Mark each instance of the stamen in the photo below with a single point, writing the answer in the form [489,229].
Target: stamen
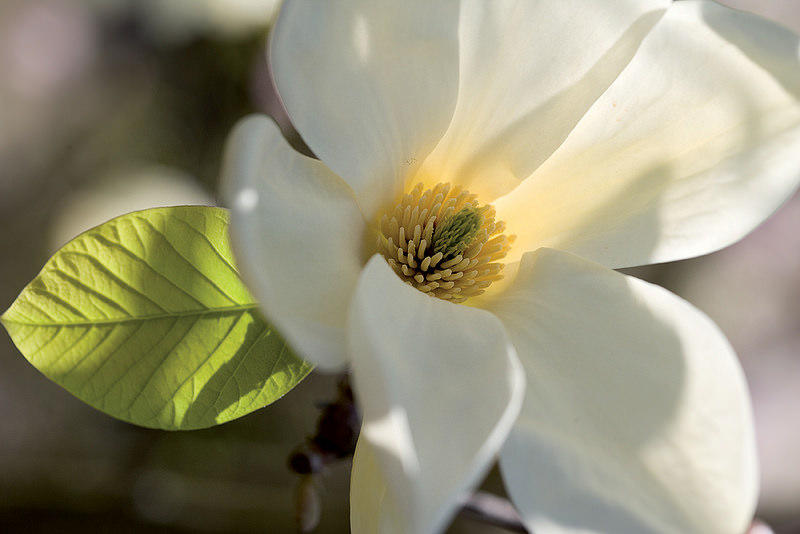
[456,232]
[442,242]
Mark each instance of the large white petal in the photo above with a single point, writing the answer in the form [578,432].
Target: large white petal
[696,143]
[528,72]
[636,416]
[296,233]
[369,84]
[440,387]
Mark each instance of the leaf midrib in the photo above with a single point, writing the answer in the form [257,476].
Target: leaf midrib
[121,320]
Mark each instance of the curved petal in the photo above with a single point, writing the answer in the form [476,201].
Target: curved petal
[296,233]
[636,416]
[370,85]
[440,387]
[695,144]
[372,509]
[528,72]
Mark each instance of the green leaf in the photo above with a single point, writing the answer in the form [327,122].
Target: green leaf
[145,318]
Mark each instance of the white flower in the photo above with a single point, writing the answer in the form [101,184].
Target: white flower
[605,134]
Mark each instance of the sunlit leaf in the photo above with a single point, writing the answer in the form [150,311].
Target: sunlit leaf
[146,319]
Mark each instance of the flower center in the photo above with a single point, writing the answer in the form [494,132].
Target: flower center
[442,242]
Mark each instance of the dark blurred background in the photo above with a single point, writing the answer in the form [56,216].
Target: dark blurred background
[107,106]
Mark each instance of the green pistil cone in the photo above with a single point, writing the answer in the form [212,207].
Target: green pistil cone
[455,233]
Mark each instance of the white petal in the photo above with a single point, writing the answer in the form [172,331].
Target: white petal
[370,85]
[528,72]
[296,233]
[372,509]
[440,387]
[636,416]
[695,144]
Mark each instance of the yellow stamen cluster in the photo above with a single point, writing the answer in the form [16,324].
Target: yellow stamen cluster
[443,243]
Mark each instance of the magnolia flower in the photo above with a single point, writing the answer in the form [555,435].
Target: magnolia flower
[483,167]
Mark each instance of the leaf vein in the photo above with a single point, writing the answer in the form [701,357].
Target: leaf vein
[58,299]
[219,254]
[92,291]
[124,250]
[109,357]
[46,343]
[113,276]
[210,355]
[211,281]
[164,355]
[264,332]
[93,350]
